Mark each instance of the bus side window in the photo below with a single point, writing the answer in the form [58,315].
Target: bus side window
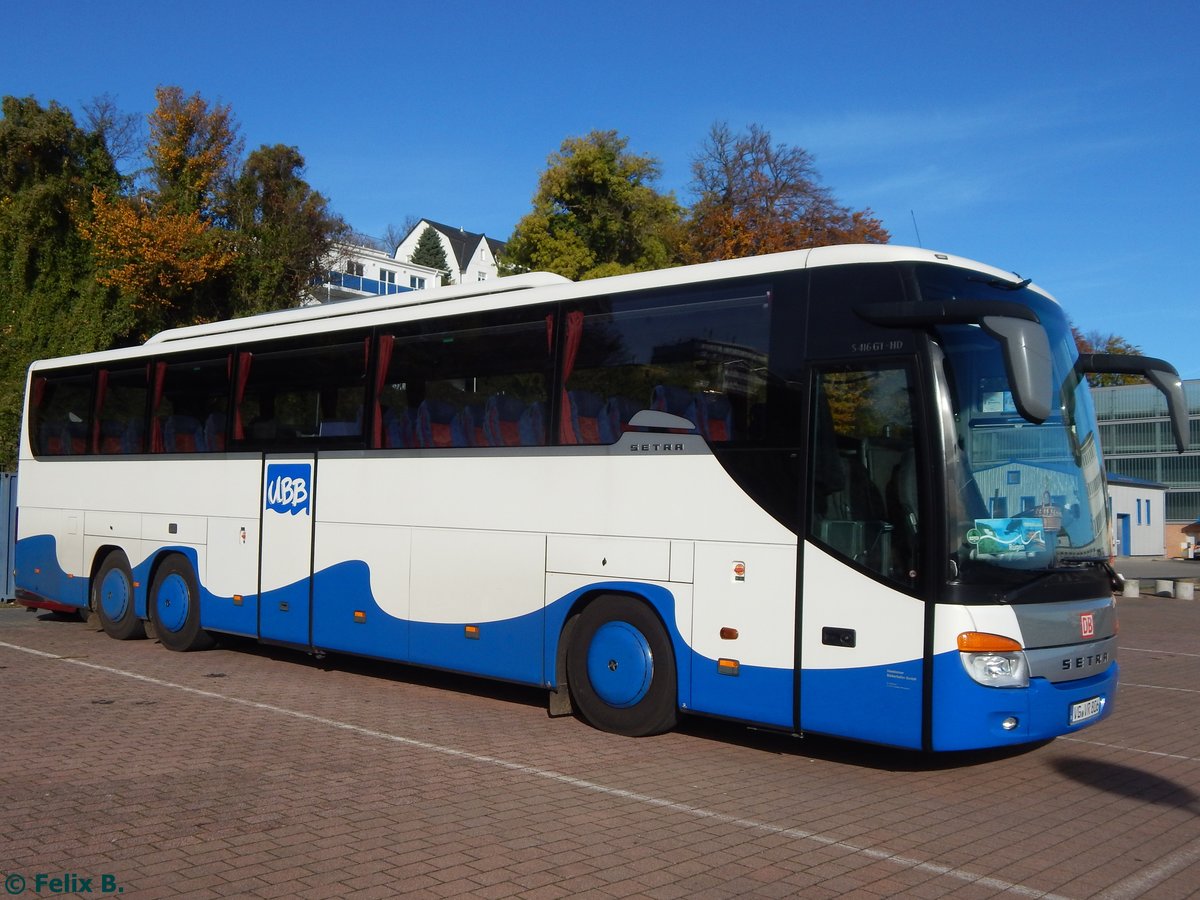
[60,413]
[121,396]
[701,357]
[300,392]
[483,383]
[863,474]
[191,397]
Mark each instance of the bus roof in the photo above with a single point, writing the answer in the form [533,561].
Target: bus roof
[529,288]
[355,307]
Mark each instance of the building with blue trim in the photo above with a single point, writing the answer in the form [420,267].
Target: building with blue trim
[1141,459]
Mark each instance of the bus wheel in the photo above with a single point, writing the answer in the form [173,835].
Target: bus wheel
[112,598]
[175,607]
[621,669]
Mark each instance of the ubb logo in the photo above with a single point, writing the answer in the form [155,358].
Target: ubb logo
[288,488]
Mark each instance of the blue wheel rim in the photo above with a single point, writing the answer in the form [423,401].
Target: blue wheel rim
[115,592]
[620,664]
[171,602]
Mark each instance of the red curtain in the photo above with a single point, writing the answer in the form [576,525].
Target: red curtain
[158,372]
[101,390]
[386,343]
[243,375]
[574,323]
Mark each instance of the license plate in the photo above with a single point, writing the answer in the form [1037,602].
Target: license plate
[1085,709]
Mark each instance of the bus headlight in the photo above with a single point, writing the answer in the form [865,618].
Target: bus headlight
[993,660]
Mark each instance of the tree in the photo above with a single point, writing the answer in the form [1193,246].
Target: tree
[284,231]
[430,252]
[51,303]
[755,196]
[597,213]
[394,235]
[162,246]
[193,152]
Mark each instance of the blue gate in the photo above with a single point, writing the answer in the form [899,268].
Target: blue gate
[8,534]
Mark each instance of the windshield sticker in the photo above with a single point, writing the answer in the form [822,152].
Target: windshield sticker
[1005,537]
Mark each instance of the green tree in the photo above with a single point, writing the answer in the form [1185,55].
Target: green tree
[756,196]
[597,213]
[52,304]
[284,231]
[430,252]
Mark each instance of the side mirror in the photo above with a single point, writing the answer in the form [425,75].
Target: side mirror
[1159,373]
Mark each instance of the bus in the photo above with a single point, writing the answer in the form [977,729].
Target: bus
[852,491]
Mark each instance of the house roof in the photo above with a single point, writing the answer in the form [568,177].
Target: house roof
[1129,481]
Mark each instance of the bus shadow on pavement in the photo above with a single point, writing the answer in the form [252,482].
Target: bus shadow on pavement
[846,752]
[1126,781]
[387,670]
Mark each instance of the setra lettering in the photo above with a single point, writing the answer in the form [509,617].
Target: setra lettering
[1085,662]
[655,448]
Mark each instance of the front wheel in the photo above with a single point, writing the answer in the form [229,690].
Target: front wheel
[175,607]
[621,669]
[112,598]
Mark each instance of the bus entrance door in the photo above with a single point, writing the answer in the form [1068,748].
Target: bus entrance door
[285,569]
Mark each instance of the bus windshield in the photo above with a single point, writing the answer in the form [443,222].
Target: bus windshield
[1023,496]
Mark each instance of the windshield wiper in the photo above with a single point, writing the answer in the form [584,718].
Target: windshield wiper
[1003,285]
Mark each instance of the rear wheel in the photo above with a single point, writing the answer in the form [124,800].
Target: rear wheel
[175,607]
[112,598]
[621,669]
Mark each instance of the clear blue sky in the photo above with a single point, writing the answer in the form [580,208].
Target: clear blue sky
[1060,140]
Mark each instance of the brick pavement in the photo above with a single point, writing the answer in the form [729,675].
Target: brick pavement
[253,771]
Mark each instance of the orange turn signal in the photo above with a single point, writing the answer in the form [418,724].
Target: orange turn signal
[982,642]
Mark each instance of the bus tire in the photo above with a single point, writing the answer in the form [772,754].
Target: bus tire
[621,668]
[175,607]
[112,598]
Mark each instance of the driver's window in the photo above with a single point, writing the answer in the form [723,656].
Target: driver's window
[863,479]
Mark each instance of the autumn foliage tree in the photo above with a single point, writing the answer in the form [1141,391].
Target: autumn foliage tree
[162,245]
[756,196]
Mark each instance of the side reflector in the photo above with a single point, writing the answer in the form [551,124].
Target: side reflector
[729,634]
[728,666]
[237,599]
[360,616]
[982,642]
[471,632]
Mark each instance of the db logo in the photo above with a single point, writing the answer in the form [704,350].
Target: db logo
[1087,624]
[288,488]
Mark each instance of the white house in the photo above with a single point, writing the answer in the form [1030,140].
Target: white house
[1138,511]
[358,270]
[472,257]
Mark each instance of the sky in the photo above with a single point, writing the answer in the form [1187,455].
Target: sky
[1058,140]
